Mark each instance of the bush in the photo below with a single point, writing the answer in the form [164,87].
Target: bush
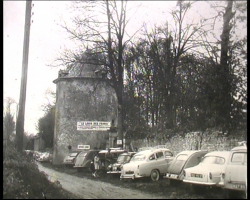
[23,180]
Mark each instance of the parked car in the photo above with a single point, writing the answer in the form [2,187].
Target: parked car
[144,148]
[121,160]
[149,163]
[83,160]
[44,157]
[208,171]
[109,156]
[37,155]
[234,180]
[181,161]
[70,158]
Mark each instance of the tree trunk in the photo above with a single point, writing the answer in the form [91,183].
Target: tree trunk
[225,36]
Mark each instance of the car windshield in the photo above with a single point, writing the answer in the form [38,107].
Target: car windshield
[83,154]
[73,154]
[138,157]
[182,157]
[213,160]
[123,158]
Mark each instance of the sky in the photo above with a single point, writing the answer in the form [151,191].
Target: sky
[47,39]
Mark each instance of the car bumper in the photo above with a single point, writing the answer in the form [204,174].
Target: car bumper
[235,186]
[199,183]
[68,163]
[130,176]
[171,176]
[113,172]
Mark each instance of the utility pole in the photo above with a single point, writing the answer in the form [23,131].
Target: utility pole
[22,98]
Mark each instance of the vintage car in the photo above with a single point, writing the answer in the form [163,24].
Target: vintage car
[208,171]
[44,157]
[234,180]
[144,148]
[83,160]
[149,163]
[181,161]
[109,156]
[70,159]
[121,160]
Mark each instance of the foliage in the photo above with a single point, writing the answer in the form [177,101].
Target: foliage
[19,173]
[177,76]
[46,126]
[8,119]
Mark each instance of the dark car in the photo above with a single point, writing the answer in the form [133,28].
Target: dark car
[121,160]
[70,159]
[110,156]
[183,160]
[83,160]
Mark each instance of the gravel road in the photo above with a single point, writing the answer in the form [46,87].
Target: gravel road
[90,189]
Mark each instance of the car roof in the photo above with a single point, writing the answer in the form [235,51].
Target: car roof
[239,148]
[128,153]
[224,154]
[112,151]
[149,151]
[191,152]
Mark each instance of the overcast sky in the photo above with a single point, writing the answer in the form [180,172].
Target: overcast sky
[47,39]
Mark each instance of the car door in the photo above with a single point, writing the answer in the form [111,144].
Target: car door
[236,170]
[161,163]
[163,160]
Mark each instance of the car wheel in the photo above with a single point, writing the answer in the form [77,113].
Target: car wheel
[155,175]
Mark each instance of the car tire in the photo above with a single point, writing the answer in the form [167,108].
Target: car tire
[155,175]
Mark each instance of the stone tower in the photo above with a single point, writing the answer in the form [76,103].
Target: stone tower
[82,94]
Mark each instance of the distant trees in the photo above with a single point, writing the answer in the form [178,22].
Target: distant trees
[8,119]
[45,124]
[174,77]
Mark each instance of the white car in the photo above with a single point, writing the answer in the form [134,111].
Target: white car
[151,163]
[44,157]
[234,180]
[208,171]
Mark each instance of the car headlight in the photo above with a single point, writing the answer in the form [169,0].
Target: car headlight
[109,167]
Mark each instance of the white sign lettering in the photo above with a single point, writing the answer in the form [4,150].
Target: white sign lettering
[93,125]
[83,146]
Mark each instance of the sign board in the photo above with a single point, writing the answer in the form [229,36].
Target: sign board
[119,141]
[80,146]
[93,126]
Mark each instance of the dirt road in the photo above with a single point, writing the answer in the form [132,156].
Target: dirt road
[91,189]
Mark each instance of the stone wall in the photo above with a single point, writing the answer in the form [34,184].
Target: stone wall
[81,99]
[210,140]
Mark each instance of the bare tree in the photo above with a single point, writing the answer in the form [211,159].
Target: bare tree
[100,28]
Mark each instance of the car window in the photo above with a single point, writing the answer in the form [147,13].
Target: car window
[83,154]
[152,157]
[168,154]
[73,154]
[238,157]
[182,157]
[138,157]
[213,160]
[159,155]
